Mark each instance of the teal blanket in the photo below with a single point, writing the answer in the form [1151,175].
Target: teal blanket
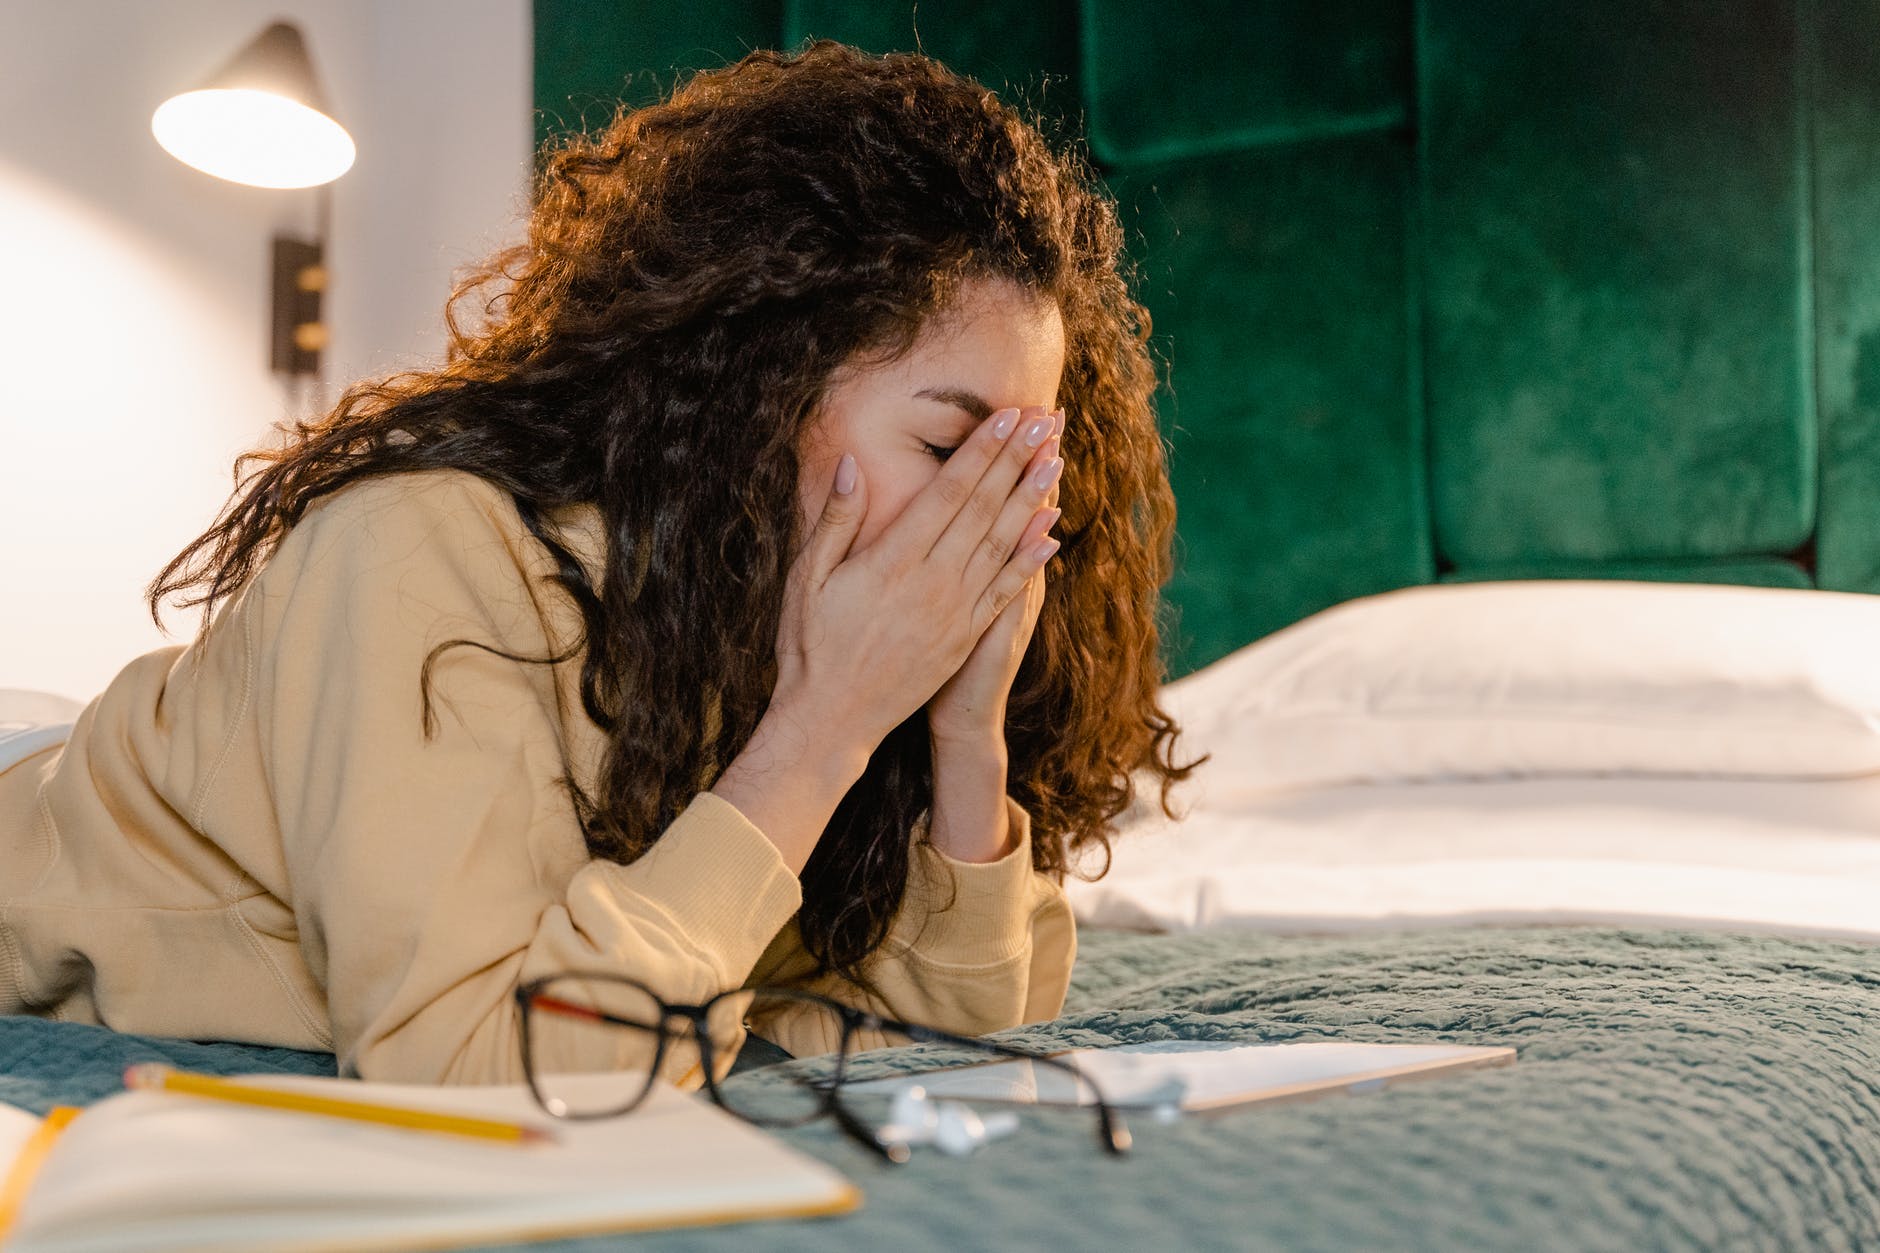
[1674,1090]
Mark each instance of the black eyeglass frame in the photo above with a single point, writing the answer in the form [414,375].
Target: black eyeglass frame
[1112,1133]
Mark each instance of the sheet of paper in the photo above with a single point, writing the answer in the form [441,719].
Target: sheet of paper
[1210,1072]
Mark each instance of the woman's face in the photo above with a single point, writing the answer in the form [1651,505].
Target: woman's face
[998,347]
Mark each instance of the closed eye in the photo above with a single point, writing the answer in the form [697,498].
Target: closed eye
[937,452]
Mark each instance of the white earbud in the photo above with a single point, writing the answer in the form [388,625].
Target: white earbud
[913,1114]
[953,1128]
[961,1131]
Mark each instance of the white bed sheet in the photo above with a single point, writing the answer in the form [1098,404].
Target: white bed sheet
[1797,857]
[33,720]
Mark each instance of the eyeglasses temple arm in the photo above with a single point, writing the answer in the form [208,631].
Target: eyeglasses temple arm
[567,1009]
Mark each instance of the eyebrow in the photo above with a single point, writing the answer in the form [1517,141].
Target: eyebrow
[972,402]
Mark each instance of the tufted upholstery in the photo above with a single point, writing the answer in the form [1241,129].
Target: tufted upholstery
[1448,289]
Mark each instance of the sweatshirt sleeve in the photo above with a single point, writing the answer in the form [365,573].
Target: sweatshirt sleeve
[430,876]
[976,948]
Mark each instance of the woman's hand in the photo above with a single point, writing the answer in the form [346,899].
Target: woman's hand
[867,638]
[969,709]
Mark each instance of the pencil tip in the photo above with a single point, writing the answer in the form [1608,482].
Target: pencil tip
[535,1135]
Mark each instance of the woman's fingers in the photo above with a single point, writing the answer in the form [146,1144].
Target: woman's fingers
[996,450]
[987,524]
[839,523]
[1040,525]
[1018,522]
[1021,574]
[1011,581]
[886,626]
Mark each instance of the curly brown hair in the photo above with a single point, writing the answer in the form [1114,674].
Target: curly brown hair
[694,274]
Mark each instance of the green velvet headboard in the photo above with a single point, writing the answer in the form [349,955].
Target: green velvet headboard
[1446,289]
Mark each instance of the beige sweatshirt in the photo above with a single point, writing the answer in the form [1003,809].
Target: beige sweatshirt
[249,838]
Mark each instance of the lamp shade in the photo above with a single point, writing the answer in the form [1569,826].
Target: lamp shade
[260,120]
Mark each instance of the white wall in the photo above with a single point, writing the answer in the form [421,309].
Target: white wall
[134,307]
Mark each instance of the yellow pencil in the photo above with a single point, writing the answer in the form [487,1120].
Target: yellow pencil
[26,1166]
[154,1076]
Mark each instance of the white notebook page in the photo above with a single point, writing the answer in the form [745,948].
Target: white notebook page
[157,1170]
[1211,1072]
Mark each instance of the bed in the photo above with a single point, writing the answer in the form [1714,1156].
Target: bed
[1447,291]
[1675,1090]
[1483,849]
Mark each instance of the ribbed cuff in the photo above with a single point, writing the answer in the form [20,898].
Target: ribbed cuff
[722,880]
[989,919]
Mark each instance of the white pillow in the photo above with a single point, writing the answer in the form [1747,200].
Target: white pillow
[1521,679]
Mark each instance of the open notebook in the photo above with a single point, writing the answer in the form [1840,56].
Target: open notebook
[1199,1076]
[158,1171]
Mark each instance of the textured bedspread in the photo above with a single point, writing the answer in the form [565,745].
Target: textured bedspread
[1673,1090]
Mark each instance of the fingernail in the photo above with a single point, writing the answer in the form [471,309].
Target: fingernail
[845,475]
[1047,474]
[1041,524]
[1059,415]
[1038,431]
[1046,550]
[1003,421]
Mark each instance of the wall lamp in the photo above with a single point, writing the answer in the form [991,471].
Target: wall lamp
[262,120]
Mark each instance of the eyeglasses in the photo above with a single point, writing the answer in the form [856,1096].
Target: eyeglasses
[574,1025]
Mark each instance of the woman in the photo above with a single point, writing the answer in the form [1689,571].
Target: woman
[697,620]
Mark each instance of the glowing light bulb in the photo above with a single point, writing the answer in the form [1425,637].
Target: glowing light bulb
[253,137]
